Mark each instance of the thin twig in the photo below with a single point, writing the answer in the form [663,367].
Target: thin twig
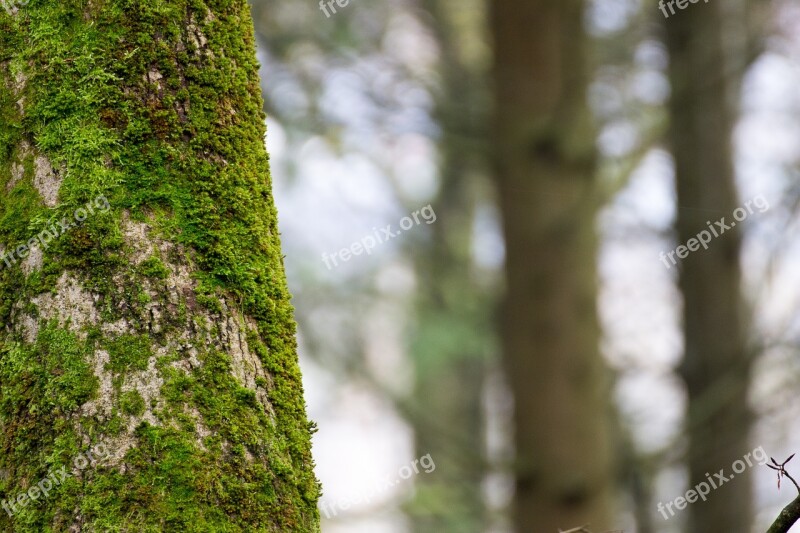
[785,473]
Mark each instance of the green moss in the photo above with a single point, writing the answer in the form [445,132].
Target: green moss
[128,352]
[153,267]
[132,403]
[143,298]
[181,150]
[55,367]
[50,379]
[209,301]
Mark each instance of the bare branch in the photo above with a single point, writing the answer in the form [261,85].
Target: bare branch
[791,513]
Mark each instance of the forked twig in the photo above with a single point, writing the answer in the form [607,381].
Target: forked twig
[781,468]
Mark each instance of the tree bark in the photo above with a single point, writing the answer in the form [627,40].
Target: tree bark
[147,347]
[546,177]
[787,518]
[716,366]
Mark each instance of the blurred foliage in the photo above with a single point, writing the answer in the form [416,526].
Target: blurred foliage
[376,73]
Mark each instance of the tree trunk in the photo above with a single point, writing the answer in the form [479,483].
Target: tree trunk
[716,367]
[453,336]
[148,368]
[546,176]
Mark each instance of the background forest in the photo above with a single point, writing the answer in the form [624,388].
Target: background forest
[638,129]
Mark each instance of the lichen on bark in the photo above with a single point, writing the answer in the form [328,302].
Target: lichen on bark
[161,326]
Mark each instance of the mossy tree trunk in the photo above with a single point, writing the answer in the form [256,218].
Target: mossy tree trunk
[153,322]
[548,197]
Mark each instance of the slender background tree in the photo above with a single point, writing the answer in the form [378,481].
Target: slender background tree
[546,176]
[705,75]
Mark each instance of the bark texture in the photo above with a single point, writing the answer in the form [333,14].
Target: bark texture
[787,518]
[546,177]
[156,325]
[716,366]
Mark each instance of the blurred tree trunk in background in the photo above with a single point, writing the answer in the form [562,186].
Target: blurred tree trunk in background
[451,346]
[716,366]
[157,326]
[546,162]
[452,338]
